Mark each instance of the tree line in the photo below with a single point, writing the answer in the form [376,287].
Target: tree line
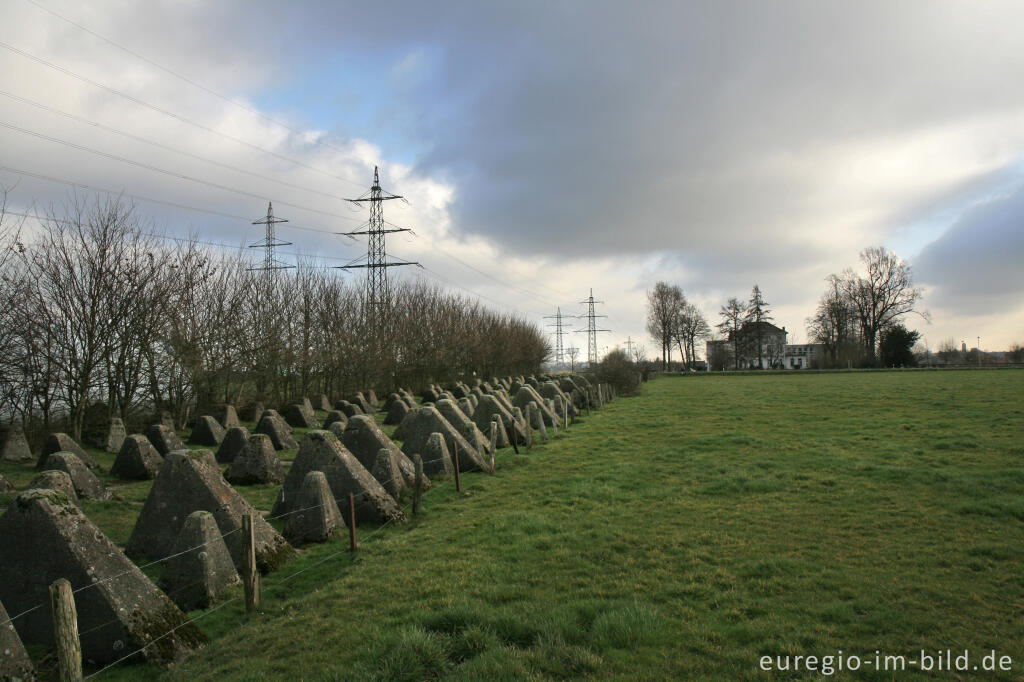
[100,317]
[858,318]
[857,322]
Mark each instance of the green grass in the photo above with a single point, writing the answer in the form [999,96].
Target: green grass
[682,534]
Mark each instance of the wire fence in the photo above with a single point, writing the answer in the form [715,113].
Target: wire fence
[360,501]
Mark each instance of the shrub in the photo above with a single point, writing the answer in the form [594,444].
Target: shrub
[617,369]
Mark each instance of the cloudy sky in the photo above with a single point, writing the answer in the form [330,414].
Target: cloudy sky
[547,148]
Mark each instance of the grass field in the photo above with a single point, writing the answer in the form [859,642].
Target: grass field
[682,534]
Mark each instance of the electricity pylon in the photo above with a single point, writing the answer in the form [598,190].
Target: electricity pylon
[592,329]
[269,242]
[559,353]
[378,293]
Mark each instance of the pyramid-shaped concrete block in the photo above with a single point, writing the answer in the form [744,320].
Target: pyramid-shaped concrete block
[364,404]
[13,444]
[229,417]
[5,485]
[235,440]
[489,408]
[550,391]
[164,439]
[207,431]
[428,420]
[251,412]
[201,568]
[55,480]
[335,416]
[87,486]
[467,407]
[387,472]
[62,442]
[115,435]
[258,463]
[299,418]
[280,433]
[396,413]
[137,459]
[364,439]
[348,409]
[323,403]
[191,481]
[316,516]
[322,451]
[528,394]
[307,407]
[437,461]
[463,424]
[45,537]
[400,431]
[277,416]
[15,664]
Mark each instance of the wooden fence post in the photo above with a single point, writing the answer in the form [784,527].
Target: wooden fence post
[539,414]
[458,478]
[417,492]
[353,546]
[65,631]
[494,443]
[512,435]
[250,574]
[529,426]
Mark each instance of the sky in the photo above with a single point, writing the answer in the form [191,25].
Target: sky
[551,148]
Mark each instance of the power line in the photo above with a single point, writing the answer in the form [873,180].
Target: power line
[191,82]
[157,169]
[441,278]
[138,197]
[171,114]
[137,138]
[189,240]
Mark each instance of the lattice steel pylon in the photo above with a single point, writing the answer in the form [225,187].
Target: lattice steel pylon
[378,292]
[270,264]
[592,329]
[559,352]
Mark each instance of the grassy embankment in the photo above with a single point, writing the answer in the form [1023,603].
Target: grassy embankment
[681,534]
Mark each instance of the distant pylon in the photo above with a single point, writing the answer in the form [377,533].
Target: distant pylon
[559,352]
[592,329]
[378,293]
[269,242]
[629,347]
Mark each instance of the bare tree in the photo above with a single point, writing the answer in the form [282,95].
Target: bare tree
[834,323]
[573,352]
[690,326]
[663,305]
[880,297]
[732,314]
[80,267]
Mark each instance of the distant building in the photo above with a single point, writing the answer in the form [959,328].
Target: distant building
[804,355]
[775,352]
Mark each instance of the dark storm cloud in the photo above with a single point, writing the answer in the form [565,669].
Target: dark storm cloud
[975,267]
[719,143]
